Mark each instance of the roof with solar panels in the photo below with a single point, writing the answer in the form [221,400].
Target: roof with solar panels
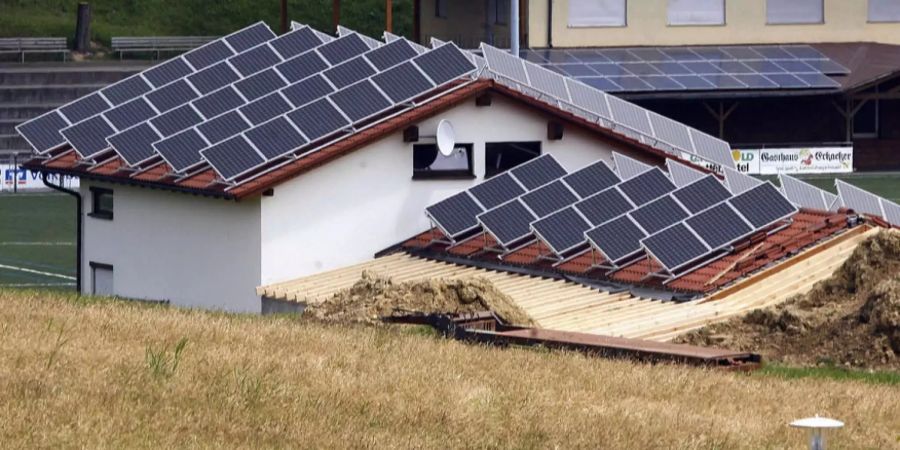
[252,109]
[630,224]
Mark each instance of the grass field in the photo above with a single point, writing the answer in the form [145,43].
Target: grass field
[37,240]
[99,373]
[189,17]
[886,185]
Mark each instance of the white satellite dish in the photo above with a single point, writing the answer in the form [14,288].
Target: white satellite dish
[446,138]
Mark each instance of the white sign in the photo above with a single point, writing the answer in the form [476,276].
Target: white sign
[772,161]
[19,179]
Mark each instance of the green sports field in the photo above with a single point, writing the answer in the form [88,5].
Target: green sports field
[37,231]
[37,240]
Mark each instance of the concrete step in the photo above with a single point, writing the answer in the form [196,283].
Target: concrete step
[65,75]
[24,111]
[55,93]
[12,142]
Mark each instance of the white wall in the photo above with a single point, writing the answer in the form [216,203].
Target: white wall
[193,251]
[347,210]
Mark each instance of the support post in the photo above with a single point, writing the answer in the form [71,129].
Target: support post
[417,23]
[284,17]
[335,13]
[513,26]
[389,16]
[83,28]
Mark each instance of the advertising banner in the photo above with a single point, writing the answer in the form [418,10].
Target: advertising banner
[772,161]
[18,179]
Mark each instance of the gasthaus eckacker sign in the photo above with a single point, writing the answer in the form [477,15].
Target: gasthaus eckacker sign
[772,161]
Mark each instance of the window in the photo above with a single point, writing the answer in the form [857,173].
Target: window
[102,279]
[597,13]
[501,11]
[430,164]
[865,120]
[884,10]
[795,11]
[101,203]
[502,156]
[696,12]
[440,8]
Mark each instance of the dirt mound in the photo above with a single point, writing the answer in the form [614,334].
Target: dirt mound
[374,296]
[852,318]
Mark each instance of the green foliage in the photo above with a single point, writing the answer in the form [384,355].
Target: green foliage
[829,372]
[190,17]
[161,363]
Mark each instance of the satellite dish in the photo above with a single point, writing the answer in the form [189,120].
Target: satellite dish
[446,138]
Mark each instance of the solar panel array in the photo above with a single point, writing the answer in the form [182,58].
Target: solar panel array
[738,182]
[247,99]
[649,69]
[806,195]
[620,218]
[868,203]
[610,112]
[628,167]
[682,174]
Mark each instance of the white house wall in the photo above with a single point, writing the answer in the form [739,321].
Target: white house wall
[347,210]
[193,251]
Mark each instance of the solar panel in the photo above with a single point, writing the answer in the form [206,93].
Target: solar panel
[402,82]
[135,144]
[658,214]
[891,212]
[604,206]
[275,138]
[263,83]
[671,131]
[318,119]
[587,98]
[674,247]
[349,72]
[208,54]
[84,107]
[738,182]
[171,96]
[176,120]
[265,108]
[631,83]
[444,63]
[858,199]
[682,174]
[712,149]
[213,77]
[630,115]
[126,90]
[89,137]
[251,36]
[167,72]
[218,102]
[591,179]
[456,214]
[629,167]
[233,157]
[661,83]
[702,194]
[806,195]
[43,132]
[497,190]
[391,54]
[546,81]
[617,239]
[562,231]
[762,205]
[817,80]
[549,198]
[295,42]
[255,60]
[302,66]
[647,186]
[756,81]
[182,150]
[787,81]
[223,127]
[508,222]
[343,48]
[538,171]
[131,113]
[693,82]
[360,100]
[719,226]
[307,90]
[671,68]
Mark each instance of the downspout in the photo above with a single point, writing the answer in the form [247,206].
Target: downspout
[549,23]
[78,221]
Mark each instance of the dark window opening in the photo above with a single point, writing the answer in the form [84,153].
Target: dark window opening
[865,121]
[101,203]
[440,9]
[501,12]
[429,163]
[502,156]
[102,282]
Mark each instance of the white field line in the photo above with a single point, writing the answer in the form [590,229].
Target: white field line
[38,272]
[24,285]
[42,244]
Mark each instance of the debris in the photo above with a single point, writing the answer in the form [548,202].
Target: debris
[375,296]
[850,319]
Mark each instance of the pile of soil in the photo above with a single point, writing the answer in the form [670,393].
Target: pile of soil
[850,319]
[375,296]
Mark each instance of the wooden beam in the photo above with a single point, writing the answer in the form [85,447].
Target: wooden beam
[335,13]
[284,17]
[388,16]
[417,23]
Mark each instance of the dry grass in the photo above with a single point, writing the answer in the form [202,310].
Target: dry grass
[102,374]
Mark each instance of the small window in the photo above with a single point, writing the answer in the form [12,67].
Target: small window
[884,11]
[101,203]
[102,279]
[430,164]
[502,156]
[501,11]
[440,8]
[865,120]
[597,13]
[786,12]
[696,12]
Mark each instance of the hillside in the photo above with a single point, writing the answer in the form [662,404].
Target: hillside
[91,373]
[190,17]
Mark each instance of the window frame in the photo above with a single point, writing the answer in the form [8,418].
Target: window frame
[98,211]
[101,266]
[624,23]
[820,22]
[723,23]
[440,9]
[467,174]
[869,15]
